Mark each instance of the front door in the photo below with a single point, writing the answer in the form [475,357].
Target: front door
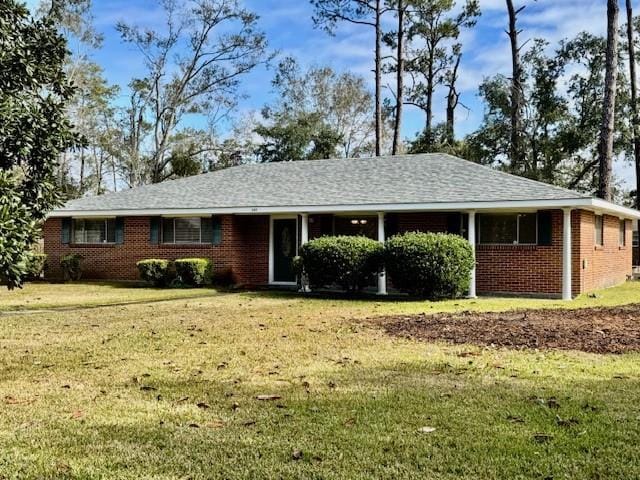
[284,249]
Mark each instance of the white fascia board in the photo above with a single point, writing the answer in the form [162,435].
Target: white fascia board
[585,203]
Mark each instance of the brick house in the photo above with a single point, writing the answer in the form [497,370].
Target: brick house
[528,237]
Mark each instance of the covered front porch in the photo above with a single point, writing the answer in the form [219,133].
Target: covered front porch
[523,251]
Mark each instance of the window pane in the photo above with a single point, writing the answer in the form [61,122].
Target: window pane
[95,231]
[636,237]
[528,228]
[78,231]
[498,228]
[599,233]
[167,230]
[187,230]
[111,230]
[623,233]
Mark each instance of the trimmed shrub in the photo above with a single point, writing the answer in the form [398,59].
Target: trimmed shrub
[432,265]
[36,265]
[194,271]
[156,271]
[350,262]
[71,266]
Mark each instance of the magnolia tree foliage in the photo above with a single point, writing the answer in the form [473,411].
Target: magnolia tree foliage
[34,131]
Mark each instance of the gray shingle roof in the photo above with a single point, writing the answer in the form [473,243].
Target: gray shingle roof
[403,179]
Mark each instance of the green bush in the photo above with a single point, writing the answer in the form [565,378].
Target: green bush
[194,272]
[432,265]
[72,266]
[36,265]
[350,262]
[156,271]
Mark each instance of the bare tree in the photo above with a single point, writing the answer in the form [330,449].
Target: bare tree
[635,119]
[223,44]
[359,12]
[453,97]
[517,95]
[605,148]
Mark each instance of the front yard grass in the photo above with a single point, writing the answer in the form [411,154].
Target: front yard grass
[168,390]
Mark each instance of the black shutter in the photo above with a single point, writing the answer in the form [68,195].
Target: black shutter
[154,230]
[217,230]
[66,231]
[545,228]
[119,230]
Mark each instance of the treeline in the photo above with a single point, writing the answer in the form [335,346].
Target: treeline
[561,115]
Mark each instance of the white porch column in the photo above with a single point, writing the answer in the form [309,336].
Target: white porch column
[472,241]
[382,278]
[566,255]
[304,230]
[304,238]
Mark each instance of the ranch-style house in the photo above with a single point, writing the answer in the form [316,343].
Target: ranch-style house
[528,237]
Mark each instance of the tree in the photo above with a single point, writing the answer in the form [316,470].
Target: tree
[635,117]
[563,92]
[396,40]
[431,28]
[359,12]
[605,149]
[517,97]
[340,104]
[222,44]
[304,137]
[74,20]
[34,92]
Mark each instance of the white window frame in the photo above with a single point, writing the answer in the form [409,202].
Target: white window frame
[199,242]
[84,241]
[622,233]
[518,215]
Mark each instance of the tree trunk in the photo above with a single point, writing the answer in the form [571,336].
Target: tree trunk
[634,98]
[452,102]
[517,103]
[399,79]
[605,148]
[378,80]
[81,183]
[428,128]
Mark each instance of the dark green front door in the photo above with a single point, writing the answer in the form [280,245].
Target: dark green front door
[284,249]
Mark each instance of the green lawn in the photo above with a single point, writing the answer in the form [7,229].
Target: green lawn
[113,391]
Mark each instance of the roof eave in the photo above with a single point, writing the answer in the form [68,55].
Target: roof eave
[581,202]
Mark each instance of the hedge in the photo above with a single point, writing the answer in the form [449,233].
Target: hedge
[71,266]
[348,261]
[156,271]
[36,265]
[432,265]
[194,271]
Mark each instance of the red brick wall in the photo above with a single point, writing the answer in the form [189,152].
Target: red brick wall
[538,269]
[243,250]
[606,265]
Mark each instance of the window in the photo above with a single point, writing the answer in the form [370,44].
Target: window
[94,231]
[599,230]
[636,238]
[623,233]
[187,230]
[508,228]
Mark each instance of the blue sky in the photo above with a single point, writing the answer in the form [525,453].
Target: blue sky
[290,31]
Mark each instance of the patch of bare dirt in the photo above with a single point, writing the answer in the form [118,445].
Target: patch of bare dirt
[595,330]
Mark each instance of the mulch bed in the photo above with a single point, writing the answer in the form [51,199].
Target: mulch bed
[595,330]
